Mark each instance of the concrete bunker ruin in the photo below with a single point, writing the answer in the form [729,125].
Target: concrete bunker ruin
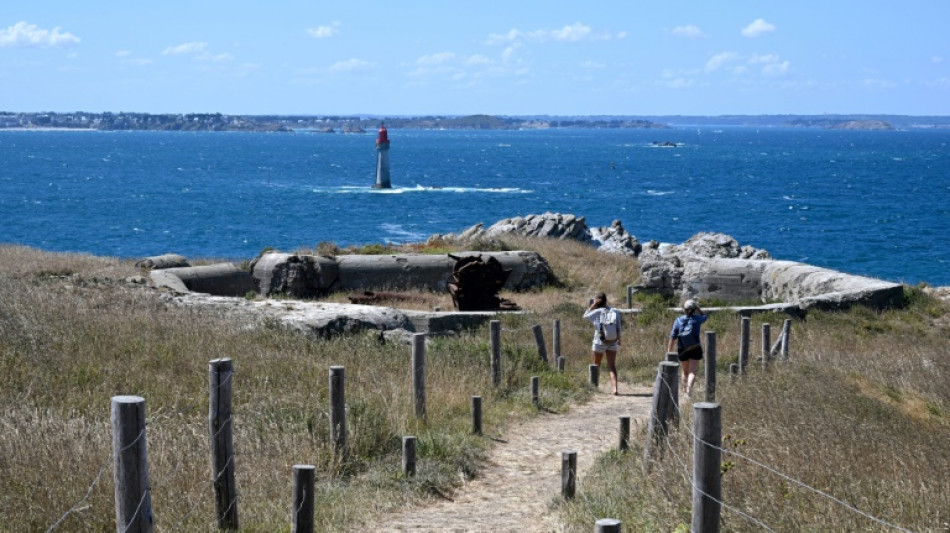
[311,276]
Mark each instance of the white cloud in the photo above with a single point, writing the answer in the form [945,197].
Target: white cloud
[197,49]
[779,68]
[758,27]
[435,59]
[875,83]
[324,32]
[569,33]
[351,64]
[513,35]
[477,59]
[508,55]
[23,34]
[123,53]
[772,65]
[186,48]
[573,32]
[720,60]
[592,64]
[689,31]
[936,60]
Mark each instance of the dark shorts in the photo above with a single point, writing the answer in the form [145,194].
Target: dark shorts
[693,352]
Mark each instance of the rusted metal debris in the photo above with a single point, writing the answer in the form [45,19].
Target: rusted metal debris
[475,283]
[374,298]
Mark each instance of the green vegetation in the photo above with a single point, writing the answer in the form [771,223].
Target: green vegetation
[860,411]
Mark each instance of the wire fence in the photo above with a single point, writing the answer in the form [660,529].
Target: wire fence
[674,452]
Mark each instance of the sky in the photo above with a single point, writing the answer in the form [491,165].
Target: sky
[521,57]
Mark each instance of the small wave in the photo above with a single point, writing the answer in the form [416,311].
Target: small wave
[419,189]
[399,231]
[652,192]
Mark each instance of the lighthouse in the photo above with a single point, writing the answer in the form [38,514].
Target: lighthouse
[382,159]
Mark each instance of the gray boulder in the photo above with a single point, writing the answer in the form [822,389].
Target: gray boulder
[159,262]
[300,276]
[614,239]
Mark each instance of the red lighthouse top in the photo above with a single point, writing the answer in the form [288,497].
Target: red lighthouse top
[383,137]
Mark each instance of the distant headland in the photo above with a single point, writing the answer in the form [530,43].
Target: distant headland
[108,121]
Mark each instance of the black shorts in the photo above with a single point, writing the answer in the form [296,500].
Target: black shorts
[693,352]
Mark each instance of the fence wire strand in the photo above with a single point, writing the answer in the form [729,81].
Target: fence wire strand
[786,477]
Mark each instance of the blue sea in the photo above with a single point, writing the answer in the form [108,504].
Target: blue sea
[873,203]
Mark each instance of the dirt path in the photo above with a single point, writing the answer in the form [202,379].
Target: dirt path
[523,474]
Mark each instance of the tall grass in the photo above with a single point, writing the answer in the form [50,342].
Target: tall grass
[860,412]
[75,331]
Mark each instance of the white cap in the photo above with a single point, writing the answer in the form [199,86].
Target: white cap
[690,304]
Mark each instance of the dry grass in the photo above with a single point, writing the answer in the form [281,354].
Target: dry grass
[74,333]
[861,411]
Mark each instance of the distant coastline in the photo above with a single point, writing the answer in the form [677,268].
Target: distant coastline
[82,121]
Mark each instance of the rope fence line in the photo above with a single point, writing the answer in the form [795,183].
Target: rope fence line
[667,441]
[95,481]
[689,480]
[780,474]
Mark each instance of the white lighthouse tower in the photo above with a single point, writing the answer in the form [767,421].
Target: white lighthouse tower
[382,159]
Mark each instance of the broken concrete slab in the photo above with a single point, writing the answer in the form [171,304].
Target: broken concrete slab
[223,279]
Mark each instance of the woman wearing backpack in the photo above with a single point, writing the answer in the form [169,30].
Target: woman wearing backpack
[606,334]
[685,335]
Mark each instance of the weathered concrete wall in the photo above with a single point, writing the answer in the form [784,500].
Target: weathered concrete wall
[724,279]
[308,276]
[304,276]
[224,279]
[785,281]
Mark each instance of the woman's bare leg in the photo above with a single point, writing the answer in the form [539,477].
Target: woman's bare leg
[612,366]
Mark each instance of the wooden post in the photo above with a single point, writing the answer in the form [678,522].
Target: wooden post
[593,375]
[494,328]
[657,428]
[629,296]
[674,357]
[560,364]
[133,498]
[568,474]
[338,410]
[744,343]
[786,332]
[766,344]
[707,458]
[220,428]
[539,341]
[710,366]
[624,444]
[556,336]
[607,525]
[535,392]
[303,507]
[419,374]
[409,456]
[477,415]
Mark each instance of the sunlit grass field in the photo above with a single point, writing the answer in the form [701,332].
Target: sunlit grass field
[861,410]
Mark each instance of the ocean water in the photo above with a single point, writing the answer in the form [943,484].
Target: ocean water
[873,203]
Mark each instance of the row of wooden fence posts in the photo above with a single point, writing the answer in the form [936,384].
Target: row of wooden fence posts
[707,420]
[769,350]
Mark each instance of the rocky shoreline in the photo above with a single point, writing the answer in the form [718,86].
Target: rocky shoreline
[708,266]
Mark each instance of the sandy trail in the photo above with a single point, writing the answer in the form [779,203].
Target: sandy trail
[523,473]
